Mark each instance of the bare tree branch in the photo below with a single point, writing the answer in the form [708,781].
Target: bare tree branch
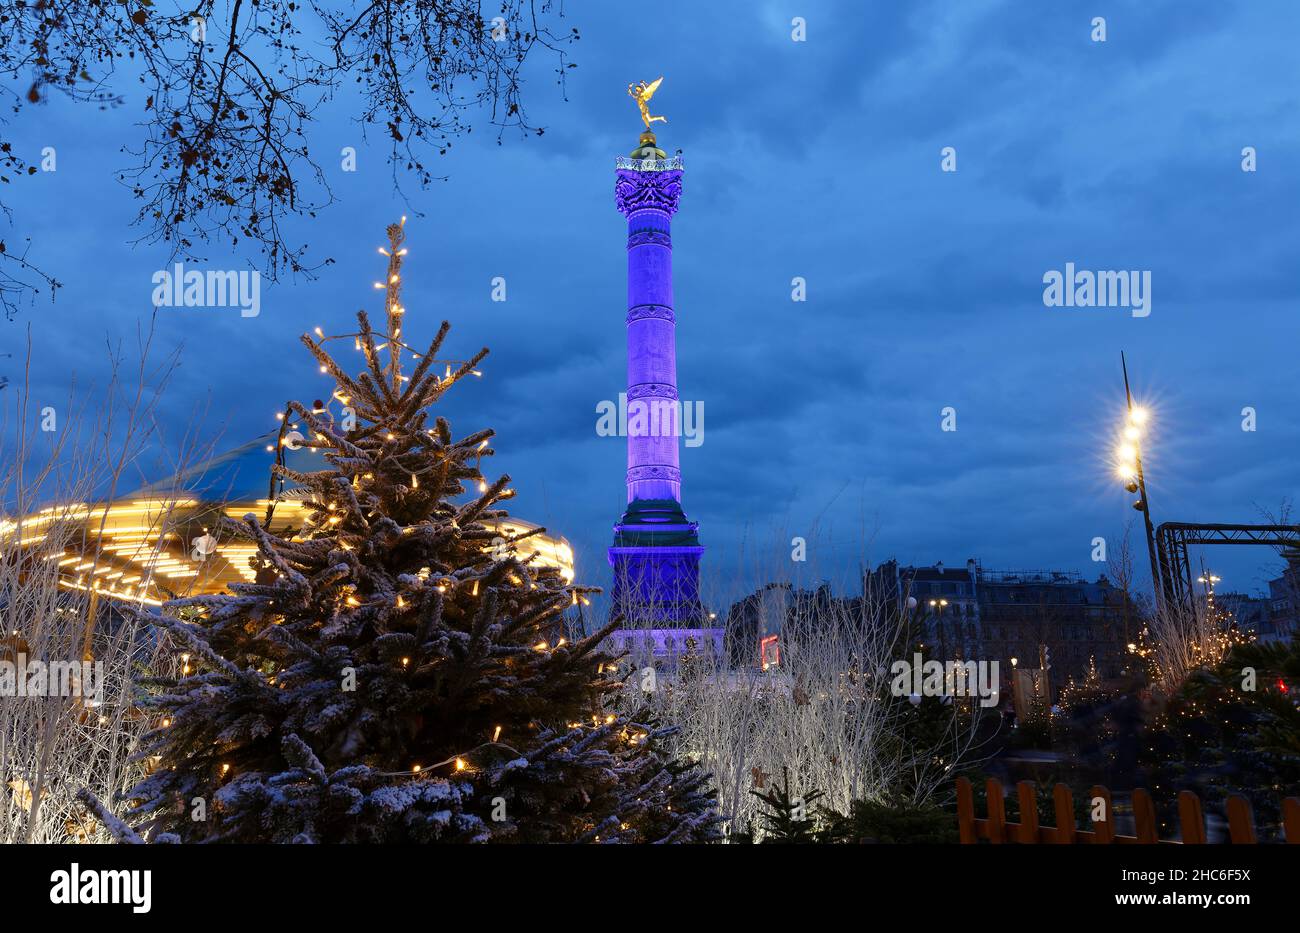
[229,89]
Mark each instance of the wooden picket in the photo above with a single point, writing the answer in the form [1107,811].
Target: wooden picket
[995,829]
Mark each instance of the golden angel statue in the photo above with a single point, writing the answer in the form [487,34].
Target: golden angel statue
[641,93]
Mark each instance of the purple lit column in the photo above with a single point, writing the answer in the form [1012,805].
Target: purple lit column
[656,550]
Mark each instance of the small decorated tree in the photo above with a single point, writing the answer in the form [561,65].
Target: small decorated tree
[1231,728]
[398,672]
[787,817]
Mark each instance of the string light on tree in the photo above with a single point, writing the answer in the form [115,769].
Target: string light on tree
[390,630]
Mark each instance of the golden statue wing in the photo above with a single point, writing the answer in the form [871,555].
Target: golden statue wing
[650,88]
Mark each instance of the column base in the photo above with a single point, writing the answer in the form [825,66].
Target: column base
[656,560]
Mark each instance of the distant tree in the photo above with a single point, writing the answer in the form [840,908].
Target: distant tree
[1119,565]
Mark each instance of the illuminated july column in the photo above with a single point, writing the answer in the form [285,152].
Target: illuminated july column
[656,552]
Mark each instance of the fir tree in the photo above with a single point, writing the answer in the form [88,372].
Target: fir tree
[393,675]
[786,815]
[1232,728]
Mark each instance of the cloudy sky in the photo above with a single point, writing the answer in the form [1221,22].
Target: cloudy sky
[819,159]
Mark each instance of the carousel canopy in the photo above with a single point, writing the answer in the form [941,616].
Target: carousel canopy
[162,540]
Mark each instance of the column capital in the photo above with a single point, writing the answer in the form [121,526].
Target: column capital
[636,190]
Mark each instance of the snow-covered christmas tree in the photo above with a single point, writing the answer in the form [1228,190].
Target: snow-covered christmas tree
[392,675]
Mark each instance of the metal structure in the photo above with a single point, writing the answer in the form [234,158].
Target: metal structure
[1175,537]
[1171,571]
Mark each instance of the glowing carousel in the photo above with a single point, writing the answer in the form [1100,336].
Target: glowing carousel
[166,539]
[163,540]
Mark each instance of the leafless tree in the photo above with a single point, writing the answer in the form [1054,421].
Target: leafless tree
[822,713]
[229,89]
[53,484]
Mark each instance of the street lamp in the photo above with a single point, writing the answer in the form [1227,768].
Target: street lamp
[1128,457]
[937,607]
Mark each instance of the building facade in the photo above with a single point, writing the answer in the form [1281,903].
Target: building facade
[760,626]
[1284,603]
[970,613]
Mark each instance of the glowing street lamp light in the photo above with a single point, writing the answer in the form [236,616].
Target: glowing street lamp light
[1128,463]
[1129,460]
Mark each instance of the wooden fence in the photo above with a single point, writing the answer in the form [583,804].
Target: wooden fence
[996,829]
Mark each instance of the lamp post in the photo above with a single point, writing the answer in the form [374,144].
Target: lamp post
[937,606]
[1130,470]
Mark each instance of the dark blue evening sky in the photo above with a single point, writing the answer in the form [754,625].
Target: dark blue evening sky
[818,159]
